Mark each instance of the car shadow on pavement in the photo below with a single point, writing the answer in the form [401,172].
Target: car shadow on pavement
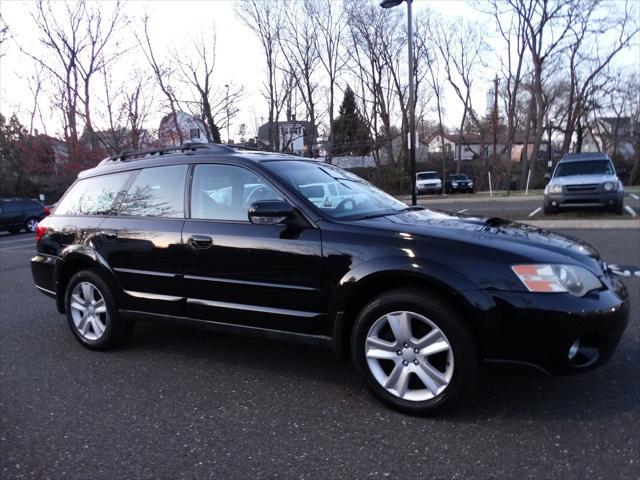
[501,393]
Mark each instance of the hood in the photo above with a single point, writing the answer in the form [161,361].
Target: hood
[429,181]
[583,179]
[494,233]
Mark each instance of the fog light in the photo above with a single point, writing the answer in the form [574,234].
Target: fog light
[574,349]
[554,203]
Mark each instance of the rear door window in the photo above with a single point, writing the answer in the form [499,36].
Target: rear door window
[93,196]
[156,192]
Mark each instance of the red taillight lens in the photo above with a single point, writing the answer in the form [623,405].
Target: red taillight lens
[47,211]
[40,230]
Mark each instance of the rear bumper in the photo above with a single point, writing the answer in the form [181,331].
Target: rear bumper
[595,199]
[539,329]
[43,269]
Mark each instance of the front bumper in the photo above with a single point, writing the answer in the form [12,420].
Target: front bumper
[428,188]
[593,199]
[539,329]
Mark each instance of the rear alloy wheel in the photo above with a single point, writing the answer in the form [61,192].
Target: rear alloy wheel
[31,224]
[415,353]
[92,314]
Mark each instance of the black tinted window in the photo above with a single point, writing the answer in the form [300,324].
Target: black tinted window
[427,176]
[92,196]
[225,192]
[156,192]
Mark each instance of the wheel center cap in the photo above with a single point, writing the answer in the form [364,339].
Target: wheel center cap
[408,355]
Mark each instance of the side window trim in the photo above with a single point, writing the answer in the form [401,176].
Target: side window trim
[115,207]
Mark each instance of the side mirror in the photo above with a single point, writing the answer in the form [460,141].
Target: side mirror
[270,212]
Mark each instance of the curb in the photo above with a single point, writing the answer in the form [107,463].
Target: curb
[584,224]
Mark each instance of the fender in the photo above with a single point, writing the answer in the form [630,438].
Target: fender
[473,300]
[83,255]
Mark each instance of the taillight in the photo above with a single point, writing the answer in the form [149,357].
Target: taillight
[41,228]
[47,211]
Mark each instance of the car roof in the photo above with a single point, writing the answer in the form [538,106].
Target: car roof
[584,157]
[427,171]
[190,153]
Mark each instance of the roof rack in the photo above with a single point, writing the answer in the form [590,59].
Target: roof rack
[129,155]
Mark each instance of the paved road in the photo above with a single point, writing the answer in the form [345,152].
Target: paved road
[178,403]
[514,208]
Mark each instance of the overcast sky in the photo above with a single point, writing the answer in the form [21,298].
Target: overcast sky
[239,59]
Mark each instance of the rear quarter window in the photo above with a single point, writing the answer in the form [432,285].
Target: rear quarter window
[93,196]
[156,192]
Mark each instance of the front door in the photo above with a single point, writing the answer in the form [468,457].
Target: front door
[265,276]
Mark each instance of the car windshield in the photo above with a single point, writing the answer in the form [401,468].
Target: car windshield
[458,177]
[336,192]
[598,167]
[427,176]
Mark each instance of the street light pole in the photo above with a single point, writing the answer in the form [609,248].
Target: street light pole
[412,120]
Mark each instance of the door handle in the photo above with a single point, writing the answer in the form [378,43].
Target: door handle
[109,234]
[200,241]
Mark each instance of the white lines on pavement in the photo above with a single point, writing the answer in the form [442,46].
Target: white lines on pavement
[535,211]
[22,240]
[463,210]
[634,196]
[631,211]
[16,247]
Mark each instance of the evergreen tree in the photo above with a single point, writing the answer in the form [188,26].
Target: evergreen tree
[350,134]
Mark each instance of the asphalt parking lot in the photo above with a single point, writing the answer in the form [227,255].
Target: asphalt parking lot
[178,403]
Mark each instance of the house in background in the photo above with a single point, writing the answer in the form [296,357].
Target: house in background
[191,128]
[612,135]
[294,136]
[472,146]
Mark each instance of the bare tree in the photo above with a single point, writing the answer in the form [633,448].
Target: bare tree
[5,35]
[77,47]
[265,20]
[331,22]
[461,47]
[546,24]
[299,43]
[588,57]
[373,85]
[161,73]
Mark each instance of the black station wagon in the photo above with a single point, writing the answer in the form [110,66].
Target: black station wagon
[295,249]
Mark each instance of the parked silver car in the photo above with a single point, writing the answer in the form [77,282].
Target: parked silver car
[584,180]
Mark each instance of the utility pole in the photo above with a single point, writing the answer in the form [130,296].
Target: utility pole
[494,121]
[412,120]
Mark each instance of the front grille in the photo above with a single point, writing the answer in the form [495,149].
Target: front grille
[589,187]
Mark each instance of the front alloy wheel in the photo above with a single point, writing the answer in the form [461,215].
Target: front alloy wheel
[415,351]
[409,356]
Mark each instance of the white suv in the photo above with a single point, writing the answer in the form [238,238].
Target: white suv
[428,182]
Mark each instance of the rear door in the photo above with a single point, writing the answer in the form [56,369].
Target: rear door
[266,276]
[143,243]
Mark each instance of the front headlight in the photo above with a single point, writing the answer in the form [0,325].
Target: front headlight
[551,188]
[609,186]
[577,281]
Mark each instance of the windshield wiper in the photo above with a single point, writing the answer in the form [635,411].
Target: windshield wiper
[390,212]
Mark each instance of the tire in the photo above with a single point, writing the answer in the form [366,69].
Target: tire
[103,331]
[15,230]
[618,209]
[549,210]
[31,224]
[457,365]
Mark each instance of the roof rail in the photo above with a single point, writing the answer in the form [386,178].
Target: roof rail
[129,155]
